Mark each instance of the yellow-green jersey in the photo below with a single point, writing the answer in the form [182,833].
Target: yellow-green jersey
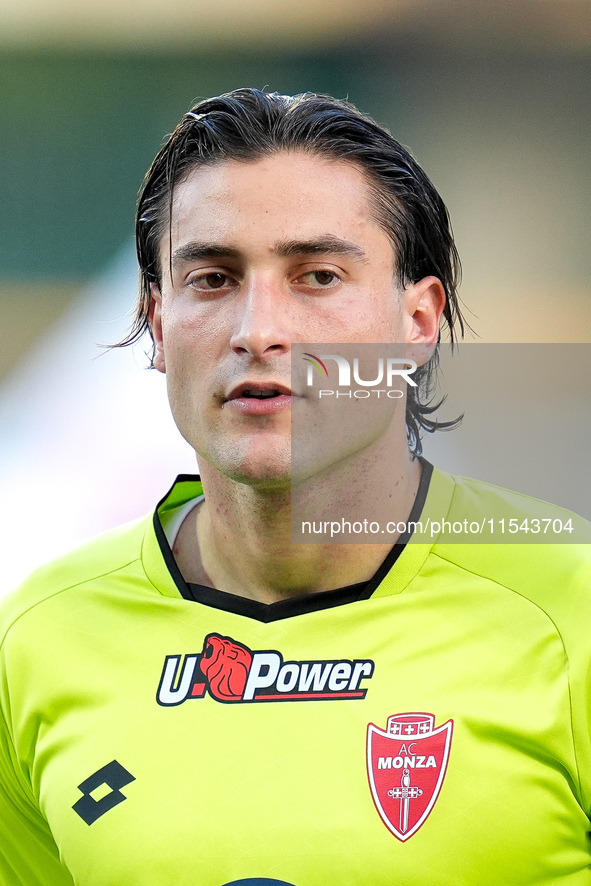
[430,726]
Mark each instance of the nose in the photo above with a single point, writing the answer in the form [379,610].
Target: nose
[262,326]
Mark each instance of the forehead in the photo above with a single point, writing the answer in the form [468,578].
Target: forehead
[286,195]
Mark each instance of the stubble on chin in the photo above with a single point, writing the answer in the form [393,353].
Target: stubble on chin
[261,464]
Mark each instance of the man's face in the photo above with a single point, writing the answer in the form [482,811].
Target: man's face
[265,253]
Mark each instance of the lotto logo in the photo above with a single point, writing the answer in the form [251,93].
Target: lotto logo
[230,672]
[113,776]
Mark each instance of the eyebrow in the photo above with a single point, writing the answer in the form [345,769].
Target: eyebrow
[320,246]
[197,251]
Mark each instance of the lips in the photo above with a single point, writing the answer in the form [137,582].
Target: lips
[259,398]
[258,391]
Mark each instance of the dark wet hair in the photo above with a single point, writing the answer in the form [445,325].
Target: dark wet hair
[247,124]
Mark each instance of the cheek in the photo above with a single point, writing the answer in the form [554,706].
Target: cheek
[387,312]
[187,331]
[179,341]
[373,316]
[191,356]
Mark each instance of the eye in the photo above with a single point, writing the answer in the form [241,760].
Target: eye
[320,279]
[210,281]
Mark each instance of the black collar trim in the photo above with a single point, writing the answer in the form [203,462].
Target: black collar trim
[303,603]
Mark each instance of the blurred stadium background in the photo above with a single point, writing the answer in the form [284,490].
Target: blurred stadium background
[492,97]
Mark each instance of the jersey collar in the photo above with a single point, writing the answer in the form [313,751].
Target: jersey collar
[393,576]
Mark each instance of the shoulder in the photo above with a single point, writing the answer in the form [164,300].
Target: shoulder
[533,548]
[107,555]
[479,498]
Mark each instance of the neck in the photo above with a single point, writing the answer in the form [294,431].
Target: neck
[241,538]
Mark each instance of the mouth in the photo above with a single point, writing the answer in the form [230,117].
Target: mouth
[258,391]
[259,398]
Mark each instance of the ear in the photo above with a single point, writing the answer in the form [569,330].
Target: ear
[423,304]
[155,315]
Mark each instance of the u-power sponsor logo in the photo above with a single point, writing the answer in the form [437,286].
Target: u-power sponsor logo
[386,372]
[230,672]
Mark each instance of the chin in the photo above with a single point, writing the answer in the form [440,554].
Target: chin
[261,476]
[265,466]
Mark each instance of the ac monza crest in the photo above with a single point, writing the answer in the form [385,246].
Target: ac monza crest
[406,765]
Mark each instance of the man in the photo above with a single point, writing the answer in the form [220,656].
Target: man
[198,700]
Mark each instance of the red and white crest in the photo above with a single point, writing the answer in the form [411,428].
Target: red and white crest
[406,765]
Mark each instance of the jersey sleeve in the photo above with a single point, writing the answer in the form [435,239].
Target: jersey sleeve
[579,650]
[28,854]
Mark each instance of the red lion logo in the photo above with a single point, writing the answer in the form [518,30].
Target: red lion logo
[225,665]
